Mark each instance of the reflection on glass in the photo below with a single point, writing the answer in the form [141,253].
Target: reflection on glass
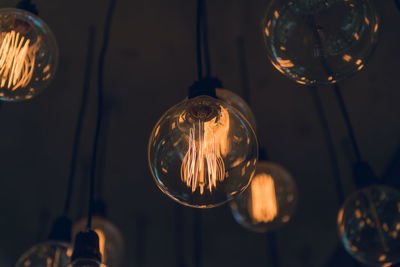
[202,152]
[369,225]
[48,254]
[270,200]
[28,55]
[320,41]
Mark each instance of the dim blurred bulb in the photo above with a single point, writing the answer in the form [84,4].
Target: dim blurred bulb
[369,225]
[111,241]
[202,152]
[269,201]
[320,41]
[47,254]
[28,55]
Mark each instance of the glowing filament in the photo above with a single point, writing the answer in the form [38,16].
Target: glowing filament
[203,165]
[17,60]
[102,243]
[263,205]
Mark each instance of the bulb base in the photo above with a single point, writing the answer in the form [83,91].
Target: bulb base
[86,246]
[205,86]
[28,6]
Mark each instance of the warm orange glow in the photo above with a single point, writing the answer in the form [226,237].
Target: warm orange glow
[276,14]
[366,20]
[263,206]
[203,166]
[17,60]
[286,63]
[346,58]
[356,36]
[102,243]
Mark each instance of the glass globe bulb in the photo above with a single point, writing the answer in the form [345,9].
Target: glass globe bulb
[269,201]
[202,152]
[47,254]
[237,102]
[320,41]
[28,55]
[111,241]
[369,225]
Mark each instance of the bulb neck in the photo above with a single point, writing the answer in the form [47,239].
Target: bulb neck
[204,86]
[61,230]
[86,247]
[364,175]
[28,6]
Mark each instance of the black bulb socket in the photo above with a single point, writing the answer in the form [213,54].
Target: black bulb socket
[204,86]
[364,175]
[86,246]
[61,230]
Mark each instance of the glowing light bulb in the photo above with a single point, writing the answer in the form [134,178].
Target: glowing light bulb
[237,102]
[320,41]
[28,55]
[369,225]
[48,254]
[202,152]
[111,241]
[269,201]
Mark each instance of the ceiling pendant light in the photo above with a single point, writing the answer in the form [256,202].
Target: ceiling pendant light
[320,41]
[57,250]
[28,53]
[202,152]
[270,200]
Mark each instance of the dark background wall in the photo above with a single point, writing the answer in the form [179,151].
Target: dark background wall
[150,64]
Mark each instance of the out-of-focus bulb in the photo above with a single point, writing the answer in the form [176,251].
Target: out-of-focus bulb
[237,102]
[111,241]
[202,152]
[28,55]
[47,254]
[269,201]
[320,41]
[369,225]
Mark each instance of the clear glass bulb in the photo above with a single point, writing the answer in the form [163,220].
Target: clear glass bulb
[111,241]
[237,102]
[320,41]
[202,152]
[269,201]
[28,55]
[369,225]
[47,254]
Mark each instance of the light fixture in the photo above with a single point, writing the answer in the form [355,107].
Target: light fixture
[320,41]
[203,151]
[86,250]
[270,200]
[28,55]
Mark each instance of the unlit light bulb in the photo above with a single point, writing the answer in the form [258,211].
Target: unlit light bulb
[270,200]
[28,55]
[202,152]
[47,254]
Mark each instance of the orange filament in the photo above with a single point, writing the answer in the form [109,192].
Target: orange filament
[263,205]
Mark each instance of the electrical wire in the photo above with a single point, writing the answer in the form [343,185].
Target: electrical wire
[199,55]
[207,57]
[397,3]
[329,143]
[79,122]
[100,75]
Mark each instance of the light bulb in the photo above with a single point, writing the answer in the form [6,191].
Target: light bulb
[202,152]
[320,41]
[47,254]
[237,102]
[369,225]
[28,55]
[111,241]
[269,201]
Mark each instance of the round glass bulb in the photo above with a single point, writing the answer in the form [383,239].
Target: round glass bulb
[202,152]
[320,41]
[237,102]
[369,225]
[47,254]
[111,241]
[28,55]
[269,201]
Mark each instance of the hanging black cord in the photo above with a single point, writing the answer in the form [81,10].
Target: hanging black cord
[397,3]
[79,122]
[206,48]
[106,37]
[329,144]
[200,6]
[347,120]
